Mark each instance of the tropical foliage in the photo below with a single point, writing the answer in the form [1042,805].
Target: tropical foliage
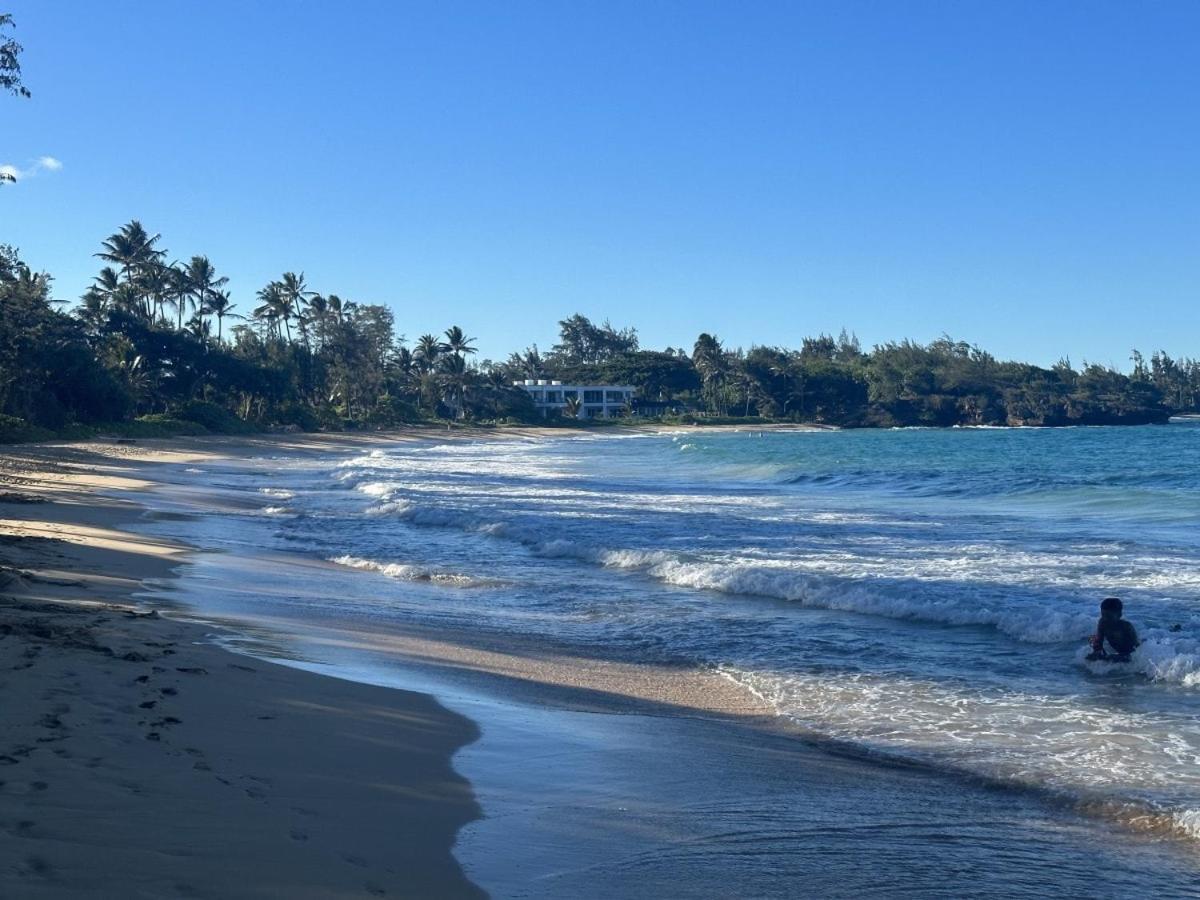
[166,341]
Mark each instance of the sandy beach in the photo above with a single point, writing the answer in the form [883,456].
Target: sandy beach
[140,760]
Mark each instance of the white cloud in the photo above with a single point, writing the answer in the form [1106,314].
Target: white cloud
[41,164]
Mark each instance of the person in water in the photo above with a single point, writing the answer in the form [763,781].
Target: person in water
[1119,634]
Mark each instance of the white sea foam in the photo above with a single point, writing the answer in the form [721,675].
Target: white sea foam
[404,572]
[1042,740]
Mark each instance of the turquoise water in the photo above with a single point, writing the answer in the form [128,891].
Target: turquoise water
[918,595]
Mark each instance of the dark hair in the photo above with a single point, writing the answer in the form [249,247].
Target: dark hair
[1111,603]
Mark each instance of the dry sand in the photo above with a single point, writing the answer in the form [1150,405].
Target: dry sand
[138,761]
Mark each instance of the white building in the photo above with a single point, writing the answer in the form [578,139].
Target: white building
[596,401]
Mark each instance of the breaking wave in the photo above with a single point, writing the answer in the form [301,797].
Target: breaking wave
[403,572]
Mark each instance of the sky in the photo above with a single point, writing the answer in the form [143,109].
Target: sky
[1019,175]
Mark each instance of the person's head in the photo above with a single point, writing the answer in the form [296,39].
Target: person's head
[1110,608]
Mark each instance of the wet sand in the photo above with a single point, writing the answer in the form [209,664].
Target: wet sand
[140,760]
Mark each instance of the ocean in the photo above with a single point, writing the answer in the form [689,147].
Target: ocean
[920,597]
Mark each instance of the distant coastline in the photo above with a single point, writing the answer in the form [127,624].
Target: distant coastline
[155,349]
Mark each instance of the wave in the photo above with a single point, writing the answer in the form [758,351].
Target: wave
[1042,625]
[1160,658]
[404,572]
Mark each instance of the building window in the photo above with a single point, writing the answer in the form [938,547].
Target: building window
[554,397]
[593,396]
[617,396]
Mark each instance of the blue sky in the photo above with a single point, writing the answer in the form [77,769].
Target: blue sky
[1020,175]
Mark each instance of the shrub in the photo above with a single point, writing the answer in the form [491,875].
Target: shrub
[390,411]
[215,418]
[299,415]
[156,425]
[18,431]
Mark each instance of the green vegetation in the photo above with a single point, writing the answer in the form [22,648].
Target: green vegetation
[152,349]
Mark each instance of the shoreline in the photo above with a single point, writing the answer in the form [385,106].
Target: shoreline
[640,769]
[145,760]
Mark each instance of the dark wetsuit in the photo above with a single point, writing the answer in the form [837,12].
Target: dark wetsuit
[1119,634]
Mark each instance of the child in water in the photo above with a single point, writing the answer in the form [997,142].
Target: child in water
[1121,636]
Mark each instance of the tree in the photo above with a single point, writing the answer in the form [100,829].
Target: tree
[294,290]
[457,342]
[273,308]
[10,71]
[709,359]
[49,373]
[201,281]
[582,342]
[220,306]
[427,353]
[132,250]
[10,62]
[457,378]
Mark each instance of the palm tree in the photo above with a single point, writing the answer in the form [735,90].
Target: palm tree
[295,291]
[572,407]
[199,328]
[158,282]
[106,285]
[457,378]
[532,364]
[274,307]
[427,353]
[220,306]
[201,281]
[180,289]
[317,310]
[457,342]
[132,250]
